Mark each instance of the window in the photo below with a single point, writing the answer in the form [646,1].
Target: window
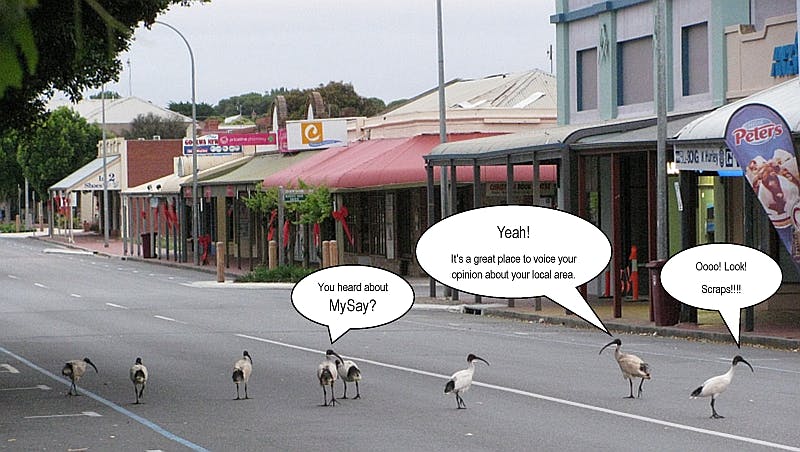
[635,71]
[367,221]
[586,71]
[694,59]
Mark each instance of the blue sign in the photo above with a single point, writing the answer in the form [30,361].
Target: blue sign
[784,60]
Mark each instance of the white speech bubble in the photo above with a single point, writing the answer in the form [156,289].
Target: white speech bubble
[722,277]
[544,252]
[350,297]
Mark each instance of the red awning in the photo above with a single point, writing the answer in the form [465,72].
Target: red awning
[387,162]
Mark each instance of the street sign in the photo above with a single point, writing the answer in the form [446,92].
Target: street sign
[294,195]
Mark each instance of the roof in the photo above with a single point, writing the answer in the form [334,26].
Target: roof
[87,171]
[171,183]
[381,163]
[258,167]
[635,137]
[524,90]
[118,111]
[711,127]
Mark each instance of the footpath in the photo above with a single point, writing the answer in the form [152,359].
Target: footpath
[773,329]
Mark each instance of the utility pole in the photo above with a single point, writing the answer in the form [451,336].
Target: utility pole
[662,234]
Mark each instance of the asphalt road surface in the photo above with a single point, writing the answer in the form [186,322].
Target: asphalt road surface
[546,388]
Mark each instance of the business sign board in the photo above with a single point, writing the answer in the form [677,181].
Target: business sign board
[316,134]
[209,145]
[246,139]
[704,157]
[761,141]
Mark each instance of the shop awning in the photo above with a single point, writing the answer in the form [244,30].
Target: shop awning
[90,176]
[711,127]
[259,167]
[171,184]
[385,162]
[635,138]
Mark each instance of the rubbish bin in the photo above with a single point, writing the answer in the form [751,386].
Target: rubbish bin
[148,246]
[666,309]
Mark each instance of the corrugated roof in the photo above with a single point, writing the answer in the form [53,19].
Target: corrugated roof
[118,111]
[260,167]
[783,98]
[171,183]
[525,90]
[646,134]
[81,174]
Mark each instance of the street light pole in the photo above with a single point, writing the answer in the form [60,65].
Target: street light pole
[105,166]
[195,212]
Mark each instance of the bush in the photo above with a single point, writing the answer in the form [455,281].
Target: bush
[12,227]
[290,274]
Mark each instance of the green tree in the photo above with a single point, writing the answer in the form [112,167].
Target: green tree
[49,45]
[202,110]
[245,104]
[109,95]
[149,125]
[315,209]
[342,101]
[58,146]
[10,172]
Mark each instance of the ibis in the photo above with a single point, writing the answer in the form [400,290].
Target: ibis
[139,378]
[715,386]
[327,375]
[242,369]
[350,373]
[74,370]
[461,381]
[631,366]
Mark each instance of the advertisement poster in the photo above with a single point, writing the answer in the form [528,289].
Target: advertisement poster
[761,141]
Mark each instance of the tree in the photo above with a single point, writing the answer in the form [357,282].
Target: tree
[109,95]
[244,104]
[58,146]
[149,125]
[62,45]
[313,210]
[202,110]
[10,172]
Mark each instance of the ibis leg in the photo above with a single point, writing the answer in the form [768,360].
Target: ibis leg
[344,396]
[333,396]
[631,384]
[640,387]
[714,414]
[358,393]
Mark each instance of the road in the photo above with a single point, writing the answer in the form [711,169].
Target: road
[546,388]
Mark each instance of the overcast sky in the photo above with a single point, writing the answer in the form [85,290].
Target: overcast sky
[385,48]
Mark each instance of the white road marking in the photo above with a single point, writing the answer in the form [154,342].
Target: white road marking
[116,306]
[67,251]
[533,395]
[13,277]
[85,413]
[40,285]
[9,369]
[74,295]
[169,319]
[42,387]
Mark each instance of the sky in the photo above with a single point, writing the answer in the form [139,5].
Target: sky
[384,48]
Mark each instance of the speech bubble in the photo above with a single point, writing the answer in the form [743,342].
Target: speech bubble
[722,277]
[352,297]
[517,252]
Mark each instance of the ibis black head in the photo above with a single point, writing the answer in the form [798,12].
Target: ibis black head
[244,353]
[89,362]
[138,360]
[472,357]
[738,359]
[616,342]
[329,353]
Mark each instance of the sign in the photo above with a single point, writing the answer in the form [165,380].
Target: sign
[316,134]
[283,141]
[294,195]
[703,158]
[520,188]
[784,60]
[761,141]
[209,145]
[246,139]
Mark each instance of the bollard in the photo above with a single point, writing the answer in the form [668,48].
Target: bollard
[634,273]
[326,254]
[273,254]
[220,262]
[17,220]
[334,254]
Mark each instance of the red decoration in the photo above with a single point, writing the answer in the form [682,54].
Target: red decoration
[271,232]
[286,233]
[341,216]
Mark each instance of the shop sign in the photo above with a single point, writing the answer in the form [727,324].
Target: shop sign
[762,143]
[316,134]
[245,139]
[784,60]
[704,158]
[96,183]
[209,145]
[520,188]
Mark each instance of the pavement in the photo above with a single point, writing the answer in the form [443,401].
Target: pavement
[773,329]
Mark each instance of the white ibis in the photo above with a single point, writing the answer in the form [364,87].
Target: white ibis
[631,366]
[349,372]
[327,375]
[139,378]
[74,370]
[462,380]
[715,386]
[242,369]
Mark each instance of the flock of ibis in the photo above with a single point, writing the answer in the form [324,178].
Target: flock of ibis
[334,367]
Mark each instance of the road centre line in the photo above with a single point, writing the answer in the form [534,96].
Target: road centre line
[116,306]
[40,285]
[547,398]
[147,423]
[169,319]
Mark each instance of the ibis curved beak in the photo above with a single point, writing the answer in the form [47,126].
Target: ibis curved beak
[748,365]
[481,359]
[89,362]
[614,342]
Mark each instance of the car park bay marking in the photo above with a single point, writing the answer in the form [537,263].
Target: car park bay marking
[131,415]
[9,369]
[549,399]
[85,413]
[116,306]
[42,387]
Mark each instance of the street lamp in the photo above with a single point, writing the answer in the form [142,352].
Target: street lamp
[195,212]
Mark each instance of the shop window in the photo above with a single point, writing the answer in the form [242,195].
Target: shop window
[586,72]
[694,59]
[634,69]
[367,220]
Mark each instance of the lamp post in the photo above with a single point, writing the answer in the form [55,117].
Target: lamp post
[195,212]
[105,168]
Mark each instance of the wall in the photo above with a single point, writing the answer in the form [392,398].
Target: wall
[150,159]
